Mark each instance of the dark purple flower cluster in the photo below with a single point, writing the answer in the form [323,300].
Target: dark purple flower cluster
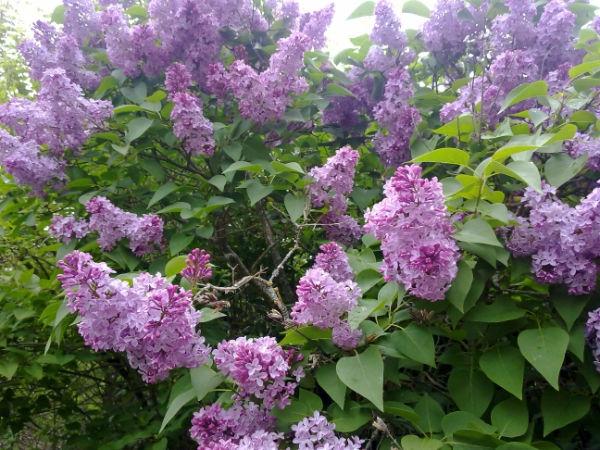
[60,119]
[326,293]
[562,241]
[260,368]
[332,184]
[145,233]
[415,230]
[592,334]
[153,321]
[197,266]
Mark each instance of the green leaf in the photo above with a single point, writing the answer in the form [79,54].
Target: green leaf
[363,310]
[569,307]
[301,335]
[430,414]
[463,420]
[478,231]
[175,265]
[470,390]
[349,419]
[416,7]
[447,155]
[336,90]
[416,343]
[401,410]
[300,408]
[327,378]
[503,309]
[460,286]
[460,127]
[8,368]
[545,349]
[412,442]
[233,150]
[561,168]
[179,241]
[511,417]
[524,92]
[506,367]
[363,374]
[559,409]
[58,15]
[363,10]
[366,279]
[204,380]
[295,205]
[586,67]
[293,167]
[176,404]
[242,165]
[527,172]
[209,314]
[257,191]
[218,181]
[136,128]
[162,192]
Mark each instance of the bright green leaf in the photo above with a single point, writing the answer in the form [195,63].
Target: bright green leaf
[364,9]
[162,192]
[328,379]
[511,418]
[545,349]
[524,92]
[506,367]
[363,374]
[446,155]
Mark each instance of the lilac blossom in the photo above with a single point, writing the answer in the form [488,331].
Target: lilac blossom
[51,48]
[387,30]
[113,224]
[81,20]
[197,266]
[334,181]
[587,145]
[190,125]
[560,239]
[314,25]
[326,293]
[340,228]
[177,79]
[153,321]
[67,228]
[415,230]
[396,114]
[515,29]
[260,368]
[214,425]
[316,432]
[592,334]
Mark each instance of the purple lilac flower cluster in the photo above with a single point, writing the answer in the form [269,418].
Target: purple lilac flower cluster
[214,427]
[260,368]
[189,123]
[415,230]
[584,144]
[561,240]
[326,293]
[592,334]
[397,116]
[197,266]
[153,321]
[264,96]
[60,119]
[333,183]
[316,432]
[145,233]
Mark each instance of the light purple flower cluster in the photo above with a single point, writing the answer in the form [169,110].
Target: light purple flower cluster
[145,233]
[189,123]
[326,293]
[387,30]
[260,368]
[214,427]
[415,230]
[562,241]
[584,144]
[67,228]
[398,116]
[60,119]
[317,433]
[333,183]
[153,321]
[509,70]
[592,334]
[197,266]
[51,48]
[264,96]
